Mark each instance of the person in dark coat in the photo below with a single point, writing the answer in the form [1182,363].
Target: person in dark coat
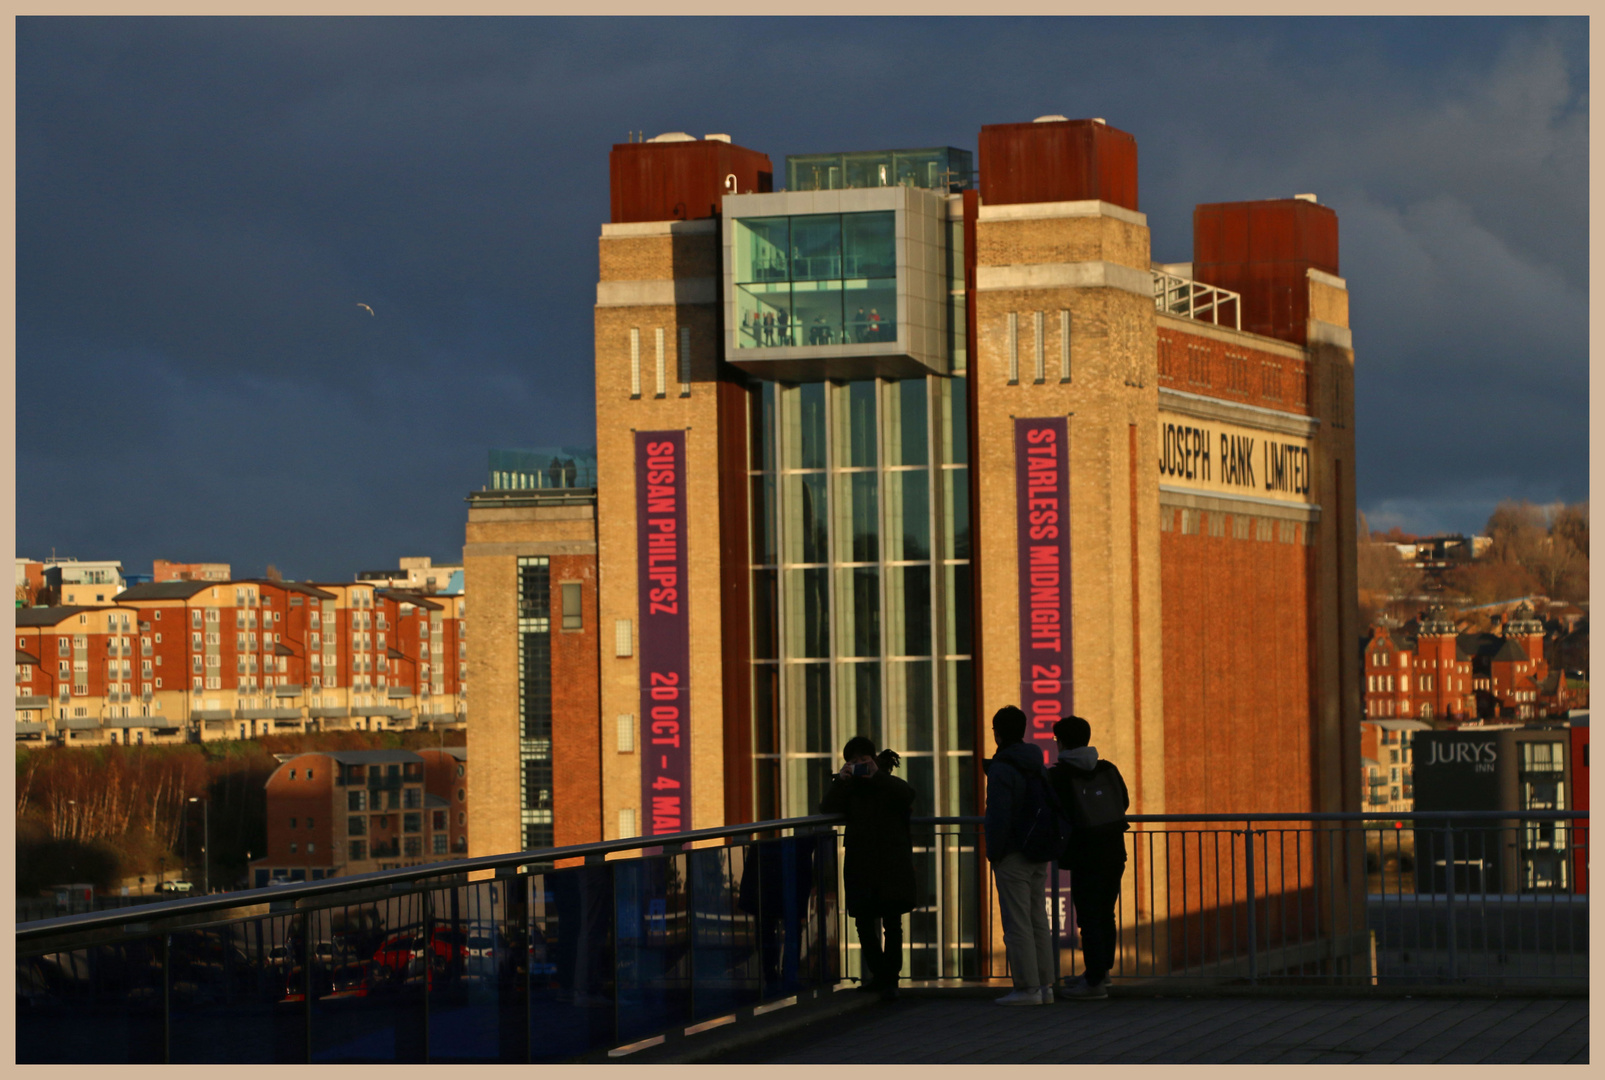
[1095,855]
[879,870]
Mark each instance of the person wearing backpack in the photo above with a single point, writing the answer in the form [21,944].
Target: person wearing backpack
[1026,830]
[1094,795]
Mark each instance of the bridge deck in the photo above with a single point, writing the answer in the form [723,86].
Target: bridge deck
[942,1027]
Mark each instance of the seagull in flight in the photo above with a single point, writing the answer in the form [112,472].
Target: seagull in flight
[365,307]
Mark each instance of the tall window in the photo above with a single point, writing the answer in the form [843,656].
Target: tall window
[861,586]
[535,699]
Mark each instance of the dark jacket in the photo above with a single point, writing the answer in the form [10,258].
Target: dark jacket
[1090,849]
[879,868]
[1005,797]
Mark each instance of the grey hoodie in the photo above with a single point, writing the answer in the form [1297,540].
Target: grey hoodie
[1005,788]
[1082,757]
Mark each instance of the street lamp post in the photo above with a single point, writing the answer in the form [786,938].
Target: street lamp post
[206,842]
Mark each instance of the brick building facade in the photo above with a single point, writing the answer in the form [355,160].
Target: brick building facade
[202,660]
[337,813]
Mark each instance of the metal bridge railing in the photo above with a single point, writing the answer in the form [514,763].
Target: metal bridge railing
[544,956]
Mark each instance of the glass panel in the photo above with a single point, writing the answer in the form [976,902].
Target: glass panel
[809,686]
[920,772]
[805,409]
[764,314]
[956,429]
[956,513]
[905,423]
[816,247]
[120,986]
[763,519]
[764,408]
[959,618]
[960,705]
[761,245]
[727,971]
[908,524]
[857,522]
[909,719]
[855,425]
[816,313]
[228,980]
[909,621]
[805,524]
[869,307]
[960,792]
[860,710]
[860,630]
[477,1002]
[958,338]
[778,885]
[571,991]
[807,613]
[766,708]
[867,170]
[921,169]
[370,964]
[766,783]
[869,246]
[653,959]
[765,615]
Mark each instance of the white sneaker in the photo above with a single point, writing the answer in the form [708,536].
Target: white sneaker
[1047,994]
[1029,996]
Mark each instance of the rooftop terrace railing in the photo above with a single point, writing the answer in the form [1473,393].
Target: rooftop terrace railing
[552,955]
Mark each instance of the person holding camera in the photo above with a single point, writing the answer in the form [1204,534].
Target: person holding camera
[879,867]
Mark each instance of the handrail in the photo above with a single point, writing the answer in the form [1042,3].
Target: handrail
[280,894]
[288,894]
[1431,815]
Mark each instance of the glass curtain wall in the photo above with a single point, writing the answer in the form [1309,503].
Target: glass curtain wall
[861,603]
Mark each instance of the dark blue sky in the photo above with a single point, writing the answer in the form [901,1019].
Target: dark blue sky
[201,205]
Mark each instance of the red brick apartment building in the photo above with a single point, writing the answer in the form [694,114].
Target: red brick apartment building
[338,813]
[1426,669]
[201,660]
[887,449]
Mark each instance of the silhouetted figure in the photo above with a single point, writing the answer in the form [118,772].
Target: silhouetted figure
[777,878]
[879,871]
[1094,795]
[1019,806]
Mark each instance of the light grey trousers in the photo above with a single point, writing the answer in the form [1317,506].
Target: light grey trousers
[1027,937]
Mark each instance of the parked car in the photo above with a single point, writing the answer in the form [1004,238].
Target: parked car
[175,886]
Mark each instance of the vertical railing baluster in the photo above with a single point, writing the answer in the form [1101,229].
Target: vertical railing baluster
[1253,939]
[167,997]
[1449,895]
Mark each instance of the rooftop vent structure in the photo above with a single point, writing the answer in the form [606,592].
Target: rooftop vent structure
[673,136]
[716,138]
[1307,198]
[1052,118]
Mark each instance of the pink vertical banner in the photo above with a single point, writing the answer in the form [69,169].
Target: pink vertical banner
[665,634]
[1042,525]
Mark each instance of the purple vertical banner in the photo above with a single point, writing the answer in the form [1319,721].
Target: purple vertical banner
[665,632]
[1042,525]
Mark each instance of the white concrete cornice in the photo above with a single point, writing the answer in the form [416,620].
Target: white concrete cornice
[1232,412]
[659,228]
[1327,279]
[1325,333]
[662,292]
[1079,208]
[1076,275]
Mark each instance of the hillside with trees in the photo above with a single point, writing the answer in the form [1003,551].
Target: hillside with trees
[107,814]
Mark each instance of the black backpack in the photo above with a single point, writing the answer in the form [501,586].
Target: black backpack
[1047,827]
[1095,797]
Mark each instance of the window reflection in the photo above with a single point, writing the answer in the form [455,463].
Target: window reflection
[816,279]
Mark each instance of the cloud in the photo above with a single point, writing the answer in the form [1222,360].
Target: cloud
[202,203]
